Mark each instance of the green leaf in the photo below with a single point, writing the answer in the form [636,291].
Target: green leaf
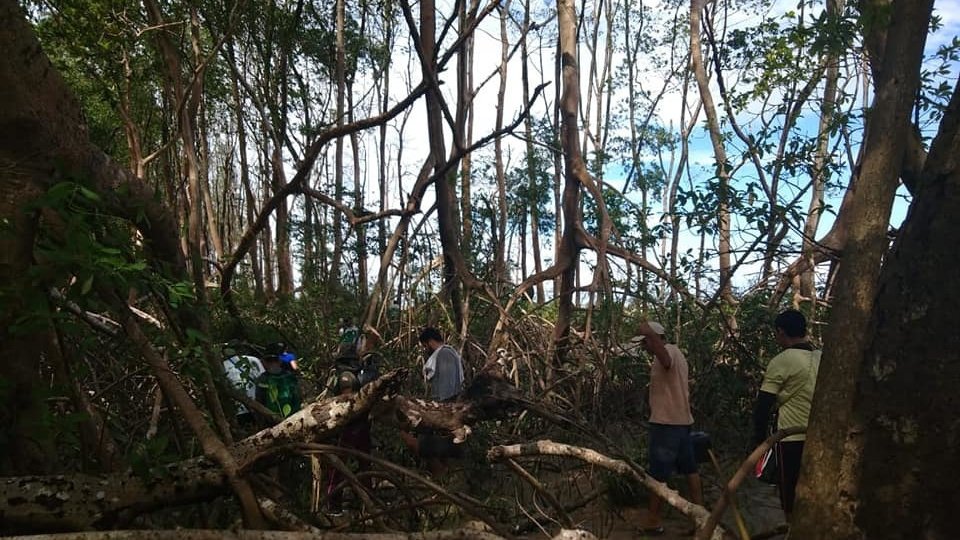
[87,285]
[89,194]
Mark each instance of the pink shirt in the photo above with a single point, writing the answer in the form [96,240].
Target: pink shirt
[670,391]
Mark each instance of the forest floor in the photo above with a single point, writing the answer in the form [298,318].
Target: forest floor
[758,503]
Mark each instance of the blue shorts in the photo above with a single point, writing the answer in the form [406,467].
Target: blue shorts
[671,449]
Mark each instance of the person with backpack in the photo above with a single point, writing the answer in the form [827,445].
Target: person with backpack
[278,389]
[242,371]
[355,435]
[350,342]
[788,386]
[288,360]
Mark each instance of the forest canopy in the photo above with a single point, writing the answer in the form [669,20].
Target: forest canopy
[187,183]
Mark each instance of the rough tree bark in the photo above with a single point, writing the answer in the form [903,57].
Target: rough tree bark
[43,140]
[568,252]
[911,446]
[830,488]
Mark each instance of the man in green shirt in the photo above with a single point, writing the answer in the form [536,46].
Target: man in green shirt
[788,387]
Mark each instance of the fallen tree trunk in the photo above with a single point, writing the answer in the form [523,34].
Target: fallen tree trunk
[203,534]
[79,501]
[549,448]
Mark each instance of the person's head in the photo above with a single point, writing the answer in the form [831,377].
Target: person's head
[275,348]
[272,363]
[431,339]
[790,327]
[660,331]
[348,383]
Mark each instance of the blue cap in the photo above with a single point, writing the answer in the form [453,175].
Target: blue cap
[287,357]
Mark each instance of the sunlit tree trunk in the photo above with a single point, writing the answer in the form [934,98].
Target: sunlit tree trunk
[834,481]
[500,257]
[340,76]
[568,256]
[720,157]
[807,291]
[533,184]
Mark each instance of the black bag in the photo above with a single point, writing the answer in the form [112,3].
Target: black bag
[767,469]
[701,446]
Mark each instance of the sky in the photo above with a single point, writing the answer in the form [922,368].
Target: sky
[487,58]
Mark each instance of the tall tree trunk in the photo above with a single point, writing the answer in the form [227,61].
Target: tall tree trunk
[465,93]
[43,139]
[533,184]
[196,317]
[361,229]
[340,75]
[807,291]
[910,444]
[568,256]
[500,256]
[558,176]
[203,150]
[720,157]
[446,198]
[832,477]
[384,162]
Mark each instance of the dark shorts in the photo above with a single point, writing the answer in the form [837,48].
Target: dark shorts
[789,454]
[671,450]
[433,445]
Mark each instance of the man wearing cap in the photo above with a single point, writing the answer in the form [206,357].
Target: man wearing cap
[671,447]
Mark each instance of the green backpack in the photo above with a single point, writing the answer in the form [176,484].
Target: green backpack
[349,343]
[279,392]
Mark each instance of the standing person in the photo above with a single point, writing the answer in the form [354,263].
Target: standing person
[242,371]
[788,386]
[443,371]
[444,367]
[355,435]
[670,447]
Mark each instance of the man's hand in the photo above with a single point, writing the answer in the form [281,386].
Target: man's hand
[654,344]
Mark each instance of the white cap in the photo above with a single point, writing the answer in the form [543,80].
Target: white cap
[656,327]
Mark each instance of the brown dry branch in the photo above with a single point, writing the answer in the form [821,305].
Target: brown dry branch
[469,505]
[69,502]
[79,501]
[738,477]
[543,491]
[549,448]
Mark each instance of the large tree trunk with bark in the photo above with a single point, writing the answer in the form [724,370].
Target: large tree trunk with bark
[43,140]
[568,251]
[906,398]
[832,483]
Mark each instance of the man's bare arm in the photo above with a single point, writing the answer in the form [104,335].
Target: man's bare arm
[656,345]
